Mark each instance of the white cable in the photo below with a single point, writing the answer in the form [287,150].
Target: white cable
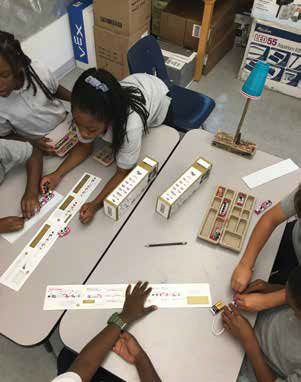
[213,328]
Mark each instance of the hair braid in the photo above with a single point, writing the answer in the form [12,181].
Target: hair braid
[11,51]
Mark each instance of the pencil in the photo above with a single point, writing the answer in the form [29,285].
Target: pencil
[166,244]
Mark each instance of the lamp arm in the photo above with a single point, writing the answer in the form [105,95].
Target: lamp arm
[238,134]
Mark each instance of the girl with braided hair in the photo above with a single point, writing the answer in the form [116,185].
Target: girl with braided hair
[30,105]
[118,112]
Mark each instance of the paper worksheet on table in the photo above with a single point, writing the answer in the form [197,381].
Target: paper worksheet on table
[112,296]
[38,247]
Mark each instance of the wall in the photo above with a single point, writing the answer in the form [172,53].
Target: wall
[53,46]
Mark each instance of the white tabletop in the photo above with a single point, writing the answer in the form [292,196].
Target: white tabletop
[71,259]
[179,341]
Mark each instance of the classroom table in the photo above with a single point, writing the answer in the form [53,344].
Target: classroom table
[180,341]
[72,258]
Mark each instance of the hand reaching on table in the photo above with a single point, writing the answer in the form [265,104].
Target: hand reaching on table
[241,277]
[133,308]
[128,348]
[11,224]
[49,182]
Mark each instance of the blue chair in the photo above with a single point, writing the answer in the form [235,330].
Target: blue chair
[190,109]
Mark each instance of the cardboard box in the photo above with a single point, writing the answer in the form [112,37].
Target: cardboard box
[124,17]
[280,47]
[243,23]
[169,202]
[81,26]
[111,50]
[285,12]
[180,63]
[157,7]
[125,194]
[221,49]
[181,22]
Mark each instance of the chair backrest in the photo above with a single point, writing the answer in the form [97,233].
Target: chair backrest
[146,57]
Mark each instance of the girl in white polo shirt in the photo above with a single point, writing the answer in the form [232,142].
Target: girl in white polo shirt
[120,113]
[29,104]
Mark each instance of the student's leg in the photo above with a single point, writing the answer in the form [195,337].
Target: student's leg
[286,258]
[67,357]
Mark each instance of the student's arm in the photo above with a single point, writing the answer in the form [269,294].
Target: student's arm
[77,155]
[89,209]
[128,348]
[63,94]
[240,328]
[256,302]
[11,224]
[30,201]
[260,235]
[91,357]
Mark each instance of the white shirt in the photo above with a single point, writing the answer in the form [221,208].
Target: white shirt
[157,104]
[13,153]
[68,377]
[29,115]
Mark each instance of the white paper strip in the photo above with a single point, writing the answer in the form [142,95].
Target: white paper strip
[37,248]
[270,173]
[13,236]
[62,297]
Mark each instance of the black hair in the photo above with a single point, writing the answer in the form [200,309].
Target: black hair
[112,106]
[297,201]
[11,51]
[294,286]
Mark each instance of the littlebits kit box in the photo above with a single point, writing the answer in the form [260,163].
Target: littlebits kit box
[130,188]
[183,187]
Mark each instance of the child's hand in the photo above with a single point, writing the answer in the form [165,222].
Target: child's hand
[44,144]
[259,286]
[241,277]
[87,212]
[51,181]
[30,204]
[237,325]
[252,302]
[11,224]
[133,307]
[128,348]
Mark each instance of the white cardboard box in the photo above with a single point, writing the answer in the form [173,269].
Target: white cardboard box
[285,12]
[280,47]
[124,195]
[183,187]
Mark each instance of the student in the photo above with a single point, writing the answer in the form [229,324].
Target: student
[273,348]
[12,154]
[119,113]
[113,337]
[29,104]
[288,256]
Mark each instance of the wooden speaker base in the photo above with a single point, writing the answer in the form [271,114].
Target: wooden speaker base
[225,141]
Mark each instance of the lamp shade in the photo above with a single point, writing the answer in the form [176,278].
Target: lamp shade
[254,84]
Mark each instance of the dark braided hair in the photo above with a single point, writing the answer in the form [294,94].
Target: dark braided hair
[294,285]
[11,51]
[113,106]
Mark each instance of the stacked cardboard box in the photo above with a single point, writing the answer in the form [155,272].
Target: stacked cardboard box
[181,25]
[157,7]
[119,24]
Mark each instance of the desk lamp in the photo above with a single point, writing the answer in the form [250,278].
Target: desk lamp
[252,90]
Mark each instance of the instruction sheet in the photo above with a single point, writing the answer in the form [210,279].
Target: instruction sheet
[38,247]
[72,297]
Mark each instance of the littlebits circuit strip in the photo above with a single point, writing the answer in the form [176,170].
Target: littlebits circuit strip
[38,247]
